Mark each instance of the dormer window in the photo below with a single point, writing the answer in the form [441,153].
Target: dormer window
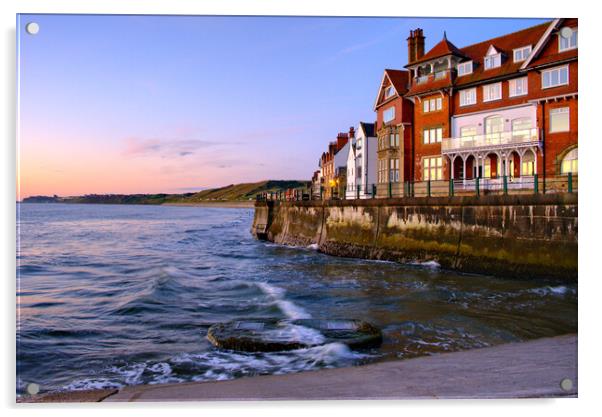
[567,39]
[465,68]
[522,53]
[493,59]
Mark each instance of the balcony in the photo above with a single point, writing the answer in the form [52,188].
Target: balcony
[492,141]
[436,76]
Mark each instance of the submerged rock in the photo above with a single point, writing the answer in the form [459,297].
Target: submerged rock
[282,335]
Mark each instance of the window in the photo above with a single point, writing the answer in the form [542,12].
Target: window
[559,120]
[521,54]
[394,139]
[433,135]
[468,131]
[492,92]
[433,169]
[555,77]
[468,97]
[528,164]
[494,124]
[518,87]
[389,91]
[569,162]
[382,170]
[432,105]
[464,68]
[394,170]
[570,42]
[521,128]
[389,114]
[493,61]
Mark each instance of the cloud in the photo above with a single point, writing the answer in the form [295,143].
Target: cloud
[164,148]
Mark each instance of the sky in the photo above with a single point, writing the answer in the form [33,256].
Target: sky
[149,104]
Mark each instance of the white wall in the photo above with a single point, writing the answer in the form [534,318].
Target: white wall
[478,119]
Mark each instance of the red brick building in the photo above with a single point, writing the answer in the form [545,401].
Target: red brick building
[394,131]
[330,162]
[504,106]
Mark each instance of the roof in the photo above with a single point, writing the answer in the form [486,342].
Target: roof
[443,48]
[505,44]
[399,79]
[368,129]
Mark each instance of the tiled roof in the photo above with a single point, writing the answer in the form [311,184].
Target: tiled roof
[399,79]
[443,48]
[505,44]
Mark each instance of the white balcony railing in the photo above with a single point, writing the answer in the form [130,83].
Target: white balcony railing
[491,140]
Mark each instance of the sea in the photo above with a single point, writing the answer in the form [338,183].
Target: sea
[116,295]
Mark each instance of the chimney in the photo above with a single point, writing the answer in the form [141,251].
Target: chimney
[351,132]
[418,43]
[411,47]
[341,141]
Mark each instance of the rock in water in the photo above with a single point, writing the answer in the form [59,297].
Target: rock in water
[282,335]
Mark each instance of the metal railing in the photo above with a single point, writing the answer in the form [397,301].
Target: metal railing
[532,184]
[491,140]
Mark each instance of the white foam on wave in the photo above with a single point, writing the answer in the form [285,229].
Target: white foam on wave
[427,264]
[290,309]
[313,246]
[559,290]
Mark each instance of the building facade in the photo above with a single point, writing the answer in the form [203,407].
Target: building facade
[503,107]
[393,130]
[361,162]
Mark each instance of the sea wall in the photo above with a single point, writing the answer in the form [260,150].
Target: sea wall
[522,236]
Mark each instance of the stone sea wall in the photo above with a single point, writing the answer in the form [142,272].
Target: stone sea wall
[522,236]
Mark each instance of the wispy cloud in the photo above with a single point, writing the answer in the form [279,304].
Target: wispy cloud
[164,148]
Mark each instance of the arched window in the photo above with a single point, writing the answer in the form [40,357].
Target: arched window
[528,165]
[569,162]
[494,124]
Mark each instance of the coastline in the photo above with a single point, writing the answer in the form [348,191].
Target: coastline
[531,369]
[217,204]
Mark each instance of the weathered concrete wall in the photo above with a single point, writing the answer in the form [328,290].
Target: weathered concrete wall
[523,236]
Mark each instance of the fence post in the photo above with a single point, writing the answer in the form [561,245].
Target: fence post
[373,190]
[321,192]
[570,179]
[428,188]
[390,190]
[451,188]
[476,183]
[358,192]
[535,184]
[505,184]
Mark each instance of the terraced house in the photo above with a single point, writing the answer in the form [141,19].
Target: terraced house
[503,107]
[394,133]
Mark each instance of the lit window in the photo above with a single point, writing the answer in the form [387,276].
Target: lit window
[468,131]
[389,114]
[521,128]
[518,87]
[433,169]
[528,164]
[468,97]
[570,42]
[559,120]
[555,77]
[569,163]
[493,61]
[465,68]
[433,135]
[521,54]
[492,92]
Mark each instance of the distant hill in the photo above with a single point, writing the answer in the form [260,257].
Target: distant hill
[233,192]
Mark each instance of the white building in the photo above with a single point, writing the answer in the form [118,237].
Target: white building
[361,162]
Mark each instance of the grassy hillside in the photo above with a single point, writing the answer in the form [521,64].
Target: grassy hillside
[233,192]
[237,192]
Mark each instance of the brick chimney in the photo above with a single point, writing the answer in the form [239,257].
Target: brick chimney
[342,139]
[351,132]
[415,45]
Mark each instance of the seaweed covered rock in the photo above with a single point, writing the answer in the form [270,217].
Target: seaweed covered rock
[281,335]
